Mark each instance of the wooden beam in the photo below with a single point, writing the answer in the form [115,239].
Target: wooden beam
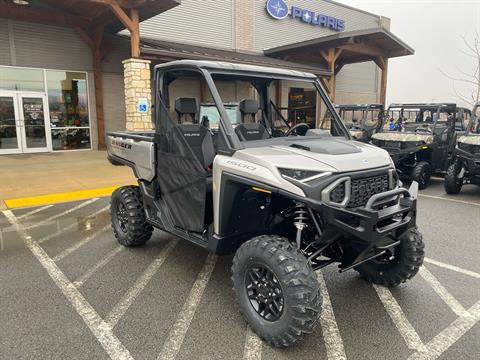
[122,16]
[123,3]
[48,17]
[380,61]
[383,83]
[135,33]
[86,38]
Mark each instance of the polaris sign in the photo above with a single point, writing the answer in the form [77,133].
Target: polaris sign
[278,9]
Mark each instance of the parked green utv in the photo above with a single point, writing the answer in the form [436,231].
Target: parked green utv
[465,168]
[420,138]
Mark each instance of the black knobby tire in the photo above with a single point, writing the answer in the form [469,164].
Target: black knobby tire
[421,173]
[128,217]
[297,284]
[453,184]
[405,264]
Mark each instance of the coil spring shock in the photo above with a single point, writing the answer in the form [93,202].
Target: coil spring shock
[300,221]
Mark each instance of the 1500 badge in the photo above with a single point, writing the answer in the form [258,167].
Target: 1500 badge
[243,166]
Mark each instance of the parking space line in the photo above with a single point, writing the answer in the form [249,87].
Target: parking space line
[453,303]
[69,227]
[453,268]
[88,274]
[253,346]
[448,199]
[75,208]
[122,306]
[79,244]
[411,337]
[449,336]
[30,213]
[177,333]
[331,333]
[99,328]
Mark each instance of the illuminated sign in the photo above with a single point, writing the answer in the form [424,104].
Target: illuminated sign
[279,10]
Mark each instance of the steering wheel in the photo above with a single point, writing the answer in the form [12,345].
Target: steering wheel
[296,127]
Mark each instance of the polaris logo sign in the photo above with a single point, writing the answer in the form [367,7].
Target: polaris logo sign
[279,10]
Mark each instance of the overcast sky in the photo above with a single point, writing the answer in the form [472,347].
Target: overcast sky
[435,30]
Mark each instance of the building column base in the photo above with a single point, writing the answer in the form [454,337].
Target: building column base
[138,94]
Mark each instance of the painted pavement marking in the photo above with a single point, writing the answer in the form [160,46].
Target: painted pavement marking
[30,213]
[448,199]
[331,333]
[449,336]
[87,275]
[99,328]
[411,337]
[253,346]
[81,243]
[79,206]
[177,333]
[124,304]
[69,227]
[443,293]
[453,268]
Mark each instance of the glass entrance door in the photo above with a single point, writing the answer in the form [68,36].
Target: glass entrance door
[24,124]
[10,131]
[35,129]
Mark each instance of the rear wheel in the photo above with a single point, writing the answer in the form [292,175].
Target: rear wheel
[398,266]
[421,174]
[276,290]
[128,217]
[453,183]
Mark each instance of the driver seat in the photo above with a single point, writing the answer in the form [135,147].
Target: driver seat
[250,131]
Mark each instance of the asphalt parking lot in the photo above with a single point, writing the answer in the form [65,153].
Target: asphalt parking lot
[68,290]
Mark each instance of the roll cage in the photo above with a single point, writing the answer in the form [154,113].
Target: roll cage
[425,123]
[260,78]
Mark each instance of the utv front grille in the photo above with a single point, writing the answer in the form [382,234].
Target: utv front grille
[361,190]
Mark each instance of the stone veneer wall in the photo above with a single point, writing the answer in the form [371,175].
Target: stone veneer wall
[244,15]
[137,79]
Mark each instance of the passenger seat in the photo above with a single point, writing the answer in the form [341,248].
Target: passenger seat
[250,131]
[198,137]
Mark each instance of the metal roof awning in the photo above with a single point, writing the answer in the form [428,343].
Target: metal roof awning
[355,46]
[158,50]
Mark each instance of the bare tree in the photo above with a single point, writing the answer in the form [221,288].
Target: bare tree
[471,79]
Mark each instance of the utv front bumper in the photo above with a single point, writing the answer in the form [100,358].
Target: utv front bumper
[388,214]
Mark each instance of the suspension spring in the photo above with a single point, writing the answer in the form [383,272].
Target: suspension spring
[300,221]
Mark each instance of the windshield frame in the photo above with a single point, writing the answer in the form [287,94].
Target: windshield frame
[228,128]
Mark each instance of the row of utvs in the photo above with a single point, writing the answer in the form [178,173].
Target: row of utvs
[285,201]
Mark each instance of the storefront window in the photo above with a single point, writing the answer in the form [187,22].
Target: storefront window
[69,120]
[19,79]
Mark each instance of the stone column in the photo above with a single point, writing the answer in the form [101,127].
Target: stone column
[244,23]
[138,94]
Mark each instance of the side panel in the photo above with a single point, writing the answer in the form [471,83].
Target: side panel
[257,173]
[139,153]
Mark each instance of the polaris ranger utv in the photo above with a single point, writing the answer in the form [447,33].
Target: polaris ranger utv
[466,167]
[362,120]
[286,206]
[420,138]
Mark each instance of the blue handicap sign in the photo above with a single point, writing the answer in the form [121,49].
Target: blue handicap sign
[142,106]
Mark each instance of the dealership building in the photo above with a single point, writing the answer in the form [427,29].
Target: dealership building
[72,70]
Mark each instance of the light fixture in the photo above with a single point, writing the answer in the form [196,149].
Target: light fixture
[21,2]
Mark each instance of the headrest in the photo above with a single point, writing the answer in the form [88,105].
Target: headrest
[248,106]
[186,106]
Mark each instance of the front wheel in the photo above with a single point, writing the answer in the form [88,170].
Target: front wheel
[421,174]
[276,290]
[398,266]
[453,181]
[129,222]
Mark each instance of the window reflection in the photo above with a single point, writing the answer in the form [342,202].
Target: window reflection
[20,79]
[67,99]
[70,139]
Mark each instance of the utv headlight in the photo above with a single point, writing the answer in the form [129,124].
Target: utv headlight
[301,175]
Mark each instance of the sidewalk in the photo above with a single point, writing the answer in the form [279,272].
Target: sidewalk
[28,175]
